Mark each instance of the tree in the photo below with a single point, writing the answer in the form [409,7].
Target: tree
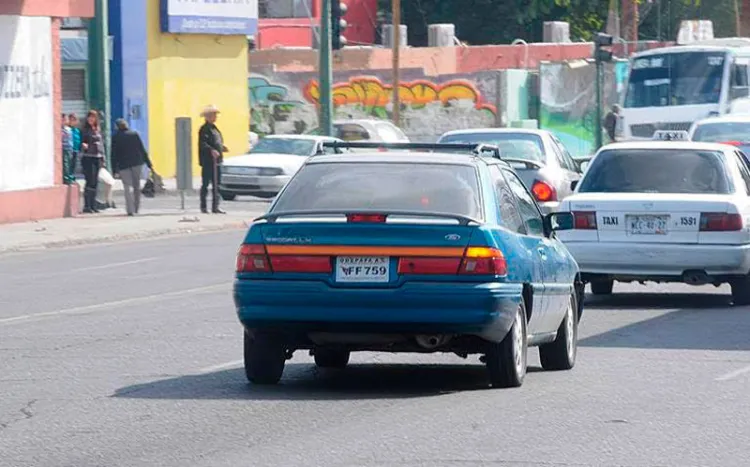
[500,22]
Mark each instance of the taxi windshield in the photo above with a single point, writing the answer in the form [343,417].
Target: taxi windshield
[657,171]
[385,187]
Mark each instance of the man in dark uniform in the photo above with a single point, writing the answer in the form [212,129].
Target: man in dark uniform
[610,123]
[210,155]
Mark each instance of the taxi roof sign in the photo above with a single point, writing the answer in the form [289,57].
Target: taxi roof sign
[667,135]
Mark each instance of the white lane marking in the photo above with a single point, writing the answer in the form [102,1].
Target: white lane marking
[734,374]
[112,265]
[82,310]
[221,366]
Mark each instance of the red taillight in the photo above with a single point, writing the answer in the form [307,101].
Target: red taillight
[733,143]
[483,260]
[543,191]
[416,265]
[720,222]
[585,220]
[374,218]
[476,260]
[301,263]
[253,258]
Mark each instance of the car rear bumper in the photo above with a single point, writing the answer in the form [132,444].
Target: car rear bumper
[485,310]
[643,260]
[252,184]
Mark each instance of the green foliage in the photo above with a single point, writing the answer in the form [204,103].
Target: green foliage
[502,21]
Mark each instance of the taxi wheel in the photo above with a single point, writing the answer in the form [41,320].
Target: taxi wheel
[602,287]
[327,358]
[226,196]
[506,360]
[264,359]
[561,354]
[741,291]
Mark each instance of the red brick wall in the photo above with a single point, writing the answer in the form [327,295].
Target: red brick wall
[59,8]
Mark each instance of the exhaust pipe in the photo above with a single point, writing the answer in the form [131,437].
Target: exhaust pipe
[432,341]
[696,278]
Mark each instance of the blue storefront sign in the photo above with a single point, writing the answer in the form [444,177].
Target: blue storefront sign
[237,17]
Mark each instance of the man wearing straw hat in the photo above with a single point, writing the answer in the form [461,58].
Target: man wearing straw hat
[210,153]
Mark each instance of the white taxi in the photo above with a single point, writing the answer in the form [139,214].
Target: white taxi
[663,212]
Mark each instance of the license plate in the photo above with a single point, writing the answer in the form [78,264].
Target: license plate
[648,225]
[356,269]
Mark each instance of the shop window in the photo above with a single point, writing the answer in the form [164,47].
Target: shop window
[74,84]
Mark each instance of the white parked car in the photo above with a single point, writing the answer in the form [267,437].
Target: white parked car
[663,212]
[372,130]
[269,165]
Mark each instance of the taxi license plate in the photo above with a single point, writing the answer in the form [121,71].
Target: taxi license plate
[648,225]
[358,269]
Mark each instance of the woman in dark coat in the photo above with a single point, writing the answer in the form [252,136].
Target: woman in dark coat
[92,159]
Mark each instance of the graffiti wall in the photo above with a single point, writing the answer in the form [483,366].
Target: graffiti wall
[430,106]
[568,101]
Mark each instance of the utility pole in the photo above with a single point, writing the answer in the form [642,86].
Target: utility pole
[325,70]
[396,4]
[99,95]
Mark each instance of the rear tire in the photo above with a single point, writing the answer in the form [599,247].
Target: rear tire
[741,291]
[506,360]
[264,359]
[327,358]
[602,287]
[226,196]
[561,354]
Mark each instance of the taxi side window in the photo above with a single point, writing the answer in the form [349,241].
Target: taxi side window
[530,214]
[739,159]
[508,210]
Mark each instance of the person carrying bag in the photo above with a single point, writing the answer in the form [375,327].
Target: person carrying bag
[128,157]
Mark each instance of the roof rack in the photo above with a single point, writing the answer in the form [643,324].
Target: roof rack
[476,149]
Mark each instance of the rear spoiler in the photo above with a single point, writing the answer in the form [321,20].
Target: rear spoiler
[271,217]
[476,149]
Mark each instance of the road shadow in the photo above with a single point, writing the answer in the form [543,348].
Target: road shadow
[650,301]
[306,382]
[689,322]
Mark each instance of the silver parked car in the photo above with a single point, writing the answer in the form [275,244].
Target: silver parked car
[269,165]
[538,157]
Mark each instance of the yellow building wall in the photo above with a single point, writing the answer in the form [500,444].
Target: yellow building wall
[186,73]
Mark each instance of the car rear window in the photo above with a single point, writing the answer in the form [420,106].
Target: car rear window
[526,146]
[420,187]
[722,132]
[657,171]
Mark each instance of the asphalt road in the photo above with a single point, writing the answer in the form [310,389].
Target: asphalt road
[128,355]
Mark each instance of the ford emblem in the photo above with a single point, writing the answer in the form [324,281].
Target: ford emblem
[453,237]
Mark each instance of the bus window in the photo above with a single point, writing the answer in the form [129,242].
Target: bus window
[740,85]
[678,78]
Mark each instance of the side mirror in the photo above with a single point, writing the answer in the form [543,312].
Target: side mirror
[558,221]
[574,185]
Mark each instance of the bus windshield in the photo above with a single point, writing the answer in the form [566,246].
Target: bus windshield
[681,78]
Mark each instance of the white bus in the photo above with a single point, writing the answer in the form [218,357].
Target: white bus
[672,87]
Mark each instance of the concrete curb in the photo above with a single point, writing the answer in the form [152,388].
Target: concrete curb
[149,234]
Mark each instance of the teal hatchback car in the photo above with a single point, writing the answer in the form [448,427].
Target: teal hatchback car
[417,251]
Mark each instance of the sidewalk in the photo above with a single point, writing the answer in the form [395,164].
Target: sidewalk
[112,226]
